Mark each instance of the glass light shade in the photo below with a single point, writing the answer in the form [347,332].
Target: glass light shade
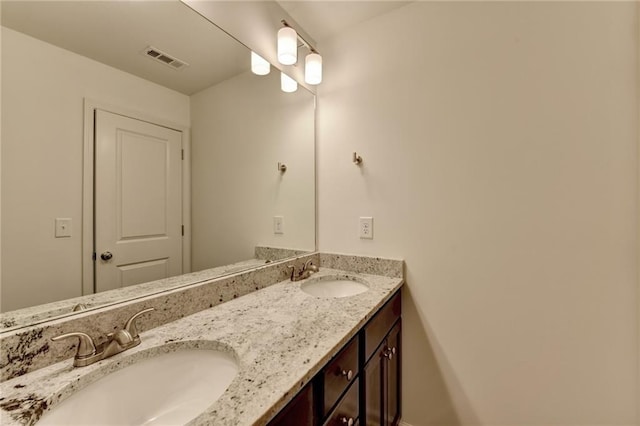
[287,84]
[287,46]
[259,65]
[313,68]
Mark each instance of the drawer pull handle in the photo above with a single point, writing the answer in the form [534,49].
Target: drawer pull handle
[347,421]
[347,374]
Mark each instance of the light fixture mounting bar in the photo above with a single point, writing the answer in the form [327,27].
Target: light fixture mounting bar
[302,40]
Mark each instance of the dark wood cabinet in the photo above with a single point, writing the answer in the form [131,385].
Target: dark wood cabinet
[340,373]
[299,412]
[373,385]
[348,409]
[381,382]
[358,386]
[391,375]
[376,330]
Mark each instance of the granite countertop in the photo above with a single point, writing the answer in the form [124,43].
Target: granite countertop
[36,314]
[280,336]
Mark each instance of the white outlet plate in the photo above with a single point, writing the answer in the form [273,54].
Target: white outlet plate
[366,228]
[278,224]
[63,227]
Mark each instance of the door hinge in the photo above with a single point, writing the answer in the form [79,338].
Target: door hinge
[183,230]
[93,257]
[182,153]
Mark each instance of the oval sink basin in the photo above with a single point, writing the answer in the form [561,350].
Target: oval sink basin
[168,389]
[334,286]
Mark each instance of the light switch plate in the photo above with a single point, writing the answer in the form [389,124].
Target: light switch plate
[278,224]
[366,228]
[63,227]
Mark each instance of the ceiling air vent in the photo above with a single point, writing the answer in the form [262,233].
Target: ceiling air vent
[164,58]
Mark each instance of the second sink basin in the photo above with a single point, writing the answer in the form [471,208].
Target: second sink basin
[334,286]
[168,389]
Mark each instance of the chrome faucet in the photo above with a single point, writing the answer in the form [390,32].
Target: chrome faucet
[307,269]
[117,342]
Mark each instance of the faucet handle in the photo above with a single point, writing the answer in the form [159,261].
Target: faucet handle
[130,326]
[86,347]
[309,266]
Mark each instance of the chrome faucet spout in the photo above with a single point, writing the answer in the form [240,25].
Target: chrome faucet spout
[307,269]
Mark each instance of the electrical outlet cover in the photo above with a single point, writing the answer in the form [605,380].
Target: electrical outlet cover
[366,228]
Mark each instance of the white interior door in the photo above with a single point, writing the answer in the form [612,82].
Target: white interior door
[138,201]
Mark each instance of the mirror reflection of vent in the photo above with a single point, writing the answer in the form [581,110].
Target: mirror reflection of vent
[164,58]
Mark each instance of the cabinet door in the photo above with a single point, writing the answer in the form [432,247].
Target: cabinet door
[392,364]
[382,382]
[373,385]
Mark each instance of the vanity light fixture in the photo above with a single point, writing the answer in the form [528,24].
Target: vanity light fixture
[287,84]
[287,45]
[313,68]
[288,42]
[259,65]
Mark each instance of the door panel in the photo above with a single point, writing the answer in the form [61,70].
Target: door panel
[142,190]
[138,201]
[143,272]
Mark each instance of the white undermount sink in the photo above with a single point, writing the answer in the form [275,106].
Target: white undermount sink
[334,286]
[167,389]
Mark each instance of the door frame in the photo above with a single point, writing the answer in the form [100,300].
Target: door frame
[88,191]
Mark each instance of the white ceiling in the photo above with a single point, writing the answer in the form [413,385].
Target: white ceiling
[324,19]
[116,32]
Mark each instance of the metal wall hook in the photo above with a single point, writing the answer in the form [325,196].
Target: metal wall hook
[357,160]
[282,167]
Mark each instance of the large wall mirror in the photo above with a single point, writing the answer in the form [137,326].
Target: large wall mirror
[139,153]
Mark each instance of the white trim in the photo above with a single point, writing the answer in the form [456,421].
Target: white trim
[87,200]
[638,212]
[186,200]
[316,210]
[90,105]
[401,423]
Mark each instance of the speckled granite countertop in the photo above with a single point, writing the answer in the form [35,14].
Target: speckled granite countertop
[40,313]
[280,336]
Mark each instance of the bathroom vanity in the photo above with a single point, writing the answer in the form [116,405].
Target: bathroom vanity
[318,360]
[361,384]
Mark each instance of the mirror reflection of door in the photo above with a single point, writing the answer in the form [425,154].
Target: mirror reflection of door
[138,201]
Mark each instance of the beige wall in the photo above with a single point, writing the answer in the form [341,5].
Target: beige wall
[241,129]
[500,161]
[42,146]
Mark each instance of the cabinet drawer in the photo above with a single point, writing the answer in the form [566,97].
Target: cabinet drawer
[380,325]
[339,374]
[346,413]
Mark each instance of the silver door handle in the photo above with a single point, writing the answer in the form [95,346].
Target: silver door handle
[107,255]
